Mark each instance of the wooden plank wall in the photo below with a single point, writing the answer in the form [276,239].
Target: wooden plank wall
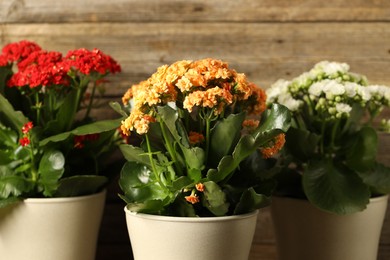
[266,39]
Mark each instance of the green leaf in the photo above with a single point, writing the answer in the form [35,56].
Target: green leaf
[118,108]
[224,136]
[9,201]
[64,115]
[169,116]
[215,199]
[250,201]
[13,186]
[148,207]
[334,189]
[10,117]
[51,168]
[80,185]
[276,121]
[93,128]
[5,73]
[378,178]
[301,143]
[361,154]
[138,183]
[135,154]
[194,157]
[182,182]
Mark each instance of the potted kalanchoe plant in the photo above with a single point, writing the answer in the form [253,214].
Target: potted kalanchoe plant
[201,142]
[330,154]
[50,145]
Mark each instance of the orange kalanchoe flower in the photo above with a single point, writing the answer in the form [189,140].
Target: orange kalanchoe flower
[195,138]
[200,187]
[279,141]
[193,198]
[251,123]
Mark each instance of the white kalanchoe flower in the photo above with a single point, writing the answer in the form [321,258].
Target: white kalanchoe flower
[330,88]
[385,125]
[343,109]
[303,81]
[380,92]
[351,89]
[291,103]
[331,68]
[364,92]
[278,88]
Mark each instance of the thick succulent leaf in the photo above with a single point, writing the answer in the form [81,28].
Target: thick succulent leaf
[361,152]
[135,154]
[276,117]
[224,136]
[195,156]
[51,168]
[148,207]
[10,117]
[301,143]
[169,116]
[334,189]
[80,185]
[378,178]
[182,182]
[5,73]
[93,128]
[215,199]
[118,108]
[139,185]
[250,201]
[9,201]
[13,186]
[63,116]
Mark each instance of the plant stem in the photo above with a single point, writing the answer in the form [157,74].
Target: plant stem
[170,149]
[323,126]
[150,154]
[333,136]
[38,106]
[90,101]
[208,122]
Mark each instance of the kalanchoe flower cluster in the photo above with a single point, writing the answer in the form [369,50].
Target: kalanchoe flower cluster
[195,145]
[48,135]
[330,151]
[25,140]
[330,90]
[207,87]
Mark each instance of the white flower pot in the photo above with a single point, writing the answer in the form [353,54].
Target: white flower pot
[191,238]
[304,232]
[51,228]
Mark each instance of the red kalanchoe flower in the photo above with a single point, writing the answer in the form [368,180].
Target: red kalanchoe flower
[87,62]
[79,140]
[27,127]
[41,68]
[17,51]
[24,141]
[3,61]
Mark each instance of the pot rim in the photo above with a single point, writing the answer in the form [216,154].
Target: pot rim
[190,219]
[63,199]
[372,199]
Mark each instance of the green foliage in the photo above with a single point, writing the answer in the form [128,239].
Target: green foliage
[151,185]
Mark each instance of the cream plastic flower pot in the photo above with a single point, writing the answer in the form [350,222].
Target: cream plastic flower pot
[304,232]
[51,228]
[177,238]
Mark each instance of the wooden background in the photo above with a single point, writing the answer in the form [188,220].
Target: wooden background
[266,39]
